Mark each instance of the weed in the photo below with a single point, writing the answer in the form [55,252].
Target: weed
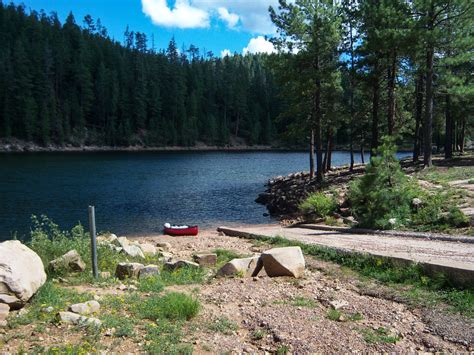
[303,302]
[223,325]
[380,335]
[354,317]
[172,306]
[319,204]
[225,255]
[151,284]
[124,327]
[258,334]
[334,314]
[183,276]
[284,349]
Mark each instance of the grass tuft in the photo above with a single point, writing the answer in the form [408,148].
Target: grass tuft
[172,306]
[223,325]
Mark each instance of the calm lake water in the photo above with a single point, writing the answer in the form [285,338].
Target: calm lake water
[136,192]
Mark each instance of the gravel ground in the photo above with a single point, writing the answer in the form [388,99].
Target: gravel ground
[276,314]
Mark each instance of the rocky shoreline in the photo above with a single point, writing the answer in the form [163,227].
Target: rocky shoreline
[284,194]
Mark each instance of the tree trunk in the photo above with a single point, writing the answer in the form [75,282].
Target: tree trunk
[428,124]
[462,135]
[375,110]
[351,123]
[362,154]
[311,155]
[329,151]
[418,115]
[448,141]
[392,71]
[317,124]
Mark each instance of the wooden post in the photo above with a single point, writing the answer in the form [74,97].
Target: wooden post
[92,232]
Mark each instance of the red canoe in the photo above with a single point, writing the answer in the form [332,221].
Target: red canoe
[191,230]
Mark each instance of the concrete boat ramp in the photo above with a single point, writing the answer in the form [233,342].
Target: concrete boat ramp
[453,258]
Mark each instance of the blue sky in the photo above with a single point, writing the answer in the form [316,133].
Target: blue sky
[216,25]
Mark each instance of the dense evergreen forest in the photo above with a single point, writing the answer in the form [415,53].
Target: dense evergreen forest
[346,73]
[72,84]
[355,71]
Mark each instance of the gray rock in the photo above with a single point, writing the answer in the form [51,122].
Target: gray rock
[205,259]
[338,304]
[77,319]
[287,261]
[71,261]
[133,251]
[235,267]
[21,273]
[149,270]
[128,270]
[85,308]
[171,266]
[107,238]
[147,249]
[121,242]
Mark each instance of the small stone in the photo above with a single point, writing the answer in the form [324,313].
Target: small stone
[338,304]
[236,267]
[147,249]
[205,260]
[85,308]
[132,288]
[71,261]
[149,270]
[134,251]
[164,245]
[121,287]
[49,309]
[73,318]
[105,275]
[180,264]
[128,270]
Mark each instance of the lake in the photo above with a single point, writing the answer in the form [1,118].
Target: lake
[134,193]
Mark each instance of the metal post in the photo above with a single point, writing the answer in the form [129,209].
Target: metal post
[93,241]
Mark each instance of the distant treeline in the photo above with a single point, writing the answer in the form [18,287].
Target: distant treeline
[71,84]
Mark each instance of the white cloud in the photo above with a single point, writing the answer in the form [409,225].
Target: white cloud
[225,53]
[230,18]
[246,15]
[182,15]
[259,45]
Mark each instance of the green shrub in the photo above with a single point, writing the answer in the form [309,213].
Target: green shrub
[172,306]
[319,204]
[382,197]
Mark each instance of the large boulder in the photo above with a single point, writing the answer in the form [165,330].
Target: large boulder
[238,267]
[133,250]
[21,273]
[71,261]
[288,261]
[4,310]
[148,249]
[149,270]
[128,270]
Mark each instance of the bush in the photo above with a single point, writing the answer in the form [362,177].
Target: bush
[382,197]
[319,204]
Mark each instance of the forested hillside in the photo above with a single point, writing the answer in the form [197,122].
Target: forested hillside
[72,84]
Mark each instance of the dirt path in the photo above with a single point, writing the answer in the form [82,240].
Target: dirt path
[452,254]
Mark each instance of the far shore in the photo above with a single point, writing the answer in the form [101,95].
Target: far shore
[22,147]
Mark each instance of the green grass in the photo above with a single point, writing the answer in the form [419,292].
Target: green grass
[124,327]
[441,176]
[164,337]
[437,289]
[49,295]
[303,302]
[334,314]
[172,306]
[223,325]
[380,335]
[258,334]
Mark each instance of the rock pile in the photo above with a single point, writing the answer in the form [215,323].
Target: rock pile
[71,261]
